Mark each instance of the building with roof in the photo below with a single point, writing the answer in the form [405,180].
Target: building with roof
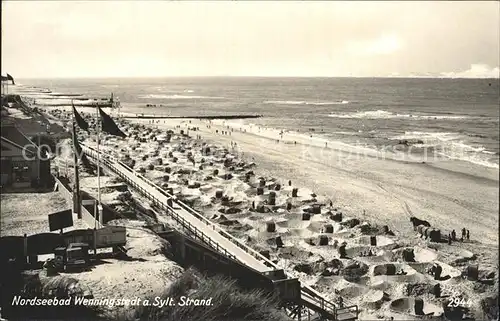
[23,164]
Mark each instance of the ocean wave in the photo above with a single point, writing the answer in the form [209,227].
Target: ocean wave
[446,145]
[382,114]
[451,145]
[303,102]
[476,135]
[175,96]
[474,159]
[349,133]
[428,136]
[445,139]
[164,89]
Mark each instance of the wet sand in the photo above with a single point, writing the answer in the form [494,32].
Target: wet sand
[388,191]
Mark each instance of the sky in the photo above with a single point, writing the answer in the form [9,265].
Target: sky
[96,39]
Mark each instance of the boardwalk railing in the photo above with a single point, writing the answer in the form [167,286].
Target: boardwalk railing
[310,297]
[185,225]
[109,161]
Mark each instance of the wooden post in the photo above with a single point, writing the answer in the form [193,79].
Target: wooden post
[95,241]
[39,155]
[96,213]
[25,248]
[182,247]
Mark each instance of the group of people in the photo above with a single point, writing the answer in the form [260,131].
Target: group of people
[223,132]
[368,253]
[453,235]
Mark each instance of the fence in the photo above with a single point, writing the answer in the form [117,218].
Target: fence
[66,191]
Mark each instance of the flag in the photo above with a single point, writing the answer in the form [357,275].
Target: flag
[109,126]
[79,119]
[9,77]
[77,149]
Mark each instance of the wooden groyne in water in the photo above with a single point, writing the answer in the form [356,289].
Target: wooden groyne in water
[192,117]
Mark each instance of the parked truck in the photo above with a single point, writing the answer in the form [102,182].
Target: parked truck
[73,257]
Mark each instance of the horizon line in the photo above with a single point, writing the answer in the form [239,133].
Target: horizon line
[229,76]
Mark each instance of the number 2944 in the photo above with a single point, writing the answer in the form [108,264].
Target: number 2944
[457,301]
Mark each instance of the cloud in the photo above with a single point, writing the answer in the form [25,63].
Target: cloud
[475,71]
[383,45]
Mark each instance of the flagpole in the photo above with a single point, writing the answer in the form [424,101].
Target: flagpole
[39,156]
[98,164]
[76,191]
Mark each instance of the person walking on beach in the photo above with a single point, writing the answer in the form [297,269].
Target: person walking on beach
[463,233]
[468,235]
[454,235]
[289,182]
[449,239]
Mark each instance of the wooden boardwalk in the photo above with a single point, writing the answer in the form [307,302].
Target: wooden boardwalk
[216,237]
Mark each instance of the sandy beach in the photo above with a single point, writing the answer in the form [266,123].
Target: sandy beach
[220,170]
[382,190]
[374,191]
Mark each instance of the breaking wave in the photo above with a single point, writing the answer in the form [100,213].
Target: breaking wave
[428,136]
[452,146]
[382,114]
[159,96]
[302,102]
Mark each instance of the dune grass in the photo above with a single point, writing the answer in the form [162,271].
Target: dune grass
[229,302]
[25,285]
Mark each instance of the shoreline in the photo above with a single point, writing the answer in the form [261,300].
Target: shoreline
[383,189]
[191,117]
